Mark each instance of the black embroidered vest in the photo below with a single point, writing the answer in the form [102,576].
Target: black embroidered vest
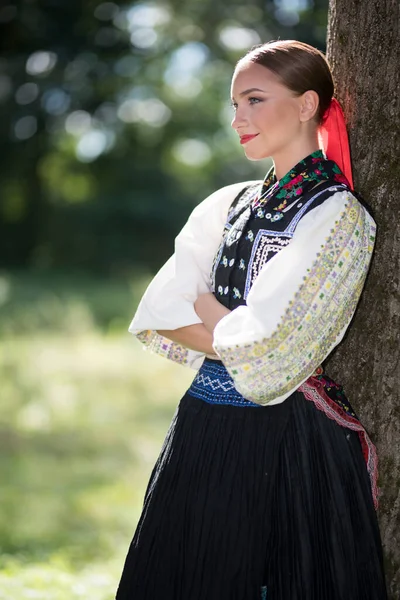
[253,235]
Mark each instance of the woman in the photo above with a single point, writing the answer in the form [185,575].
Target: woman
[266,484]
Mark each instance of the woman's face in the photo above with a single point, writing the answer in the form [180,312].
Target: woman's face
[267,113]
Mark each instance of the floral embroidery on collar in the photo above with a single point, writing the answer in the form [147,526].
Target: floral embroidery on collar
[313,169]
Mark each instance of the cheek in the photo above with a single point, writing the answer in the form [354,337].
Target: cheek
[286,113]
[277,115]
[266,118]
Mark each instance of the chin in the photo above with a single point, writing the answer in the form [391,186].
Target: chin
[254,156]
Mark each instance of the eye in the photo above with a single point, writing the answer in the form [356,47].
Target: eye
[253,100]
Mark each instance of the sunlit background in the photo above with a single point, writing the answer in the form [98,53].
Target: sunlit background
[115,123]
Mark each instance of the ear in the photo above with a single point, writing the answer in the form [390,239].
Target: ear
[309,102]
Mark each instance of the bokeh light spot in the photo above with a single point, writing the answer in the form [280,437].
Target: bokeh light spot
[94,143]
[186,86]
[78,122]
[147,15]
[238,38]
[127,66]
[25,127]
[128,111]
[192,152]
[56,101]
[27,93]
[293,5]
[288,18]
[41,62]
[151,111]
[184,69]
[144,37]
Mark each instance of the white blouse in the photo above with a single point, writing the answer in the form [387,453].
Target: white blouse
[297,310]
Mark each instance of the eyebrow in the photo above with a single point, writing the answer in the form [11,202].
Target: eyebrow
[245,92]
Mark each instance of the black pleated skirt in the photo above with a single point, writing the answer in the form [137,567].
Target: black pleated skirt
[256,503]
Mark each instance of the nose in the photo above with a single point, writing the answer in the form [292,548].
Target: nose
[239,119]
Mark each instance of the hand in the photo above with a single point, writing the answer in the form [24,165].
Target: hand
[209,310]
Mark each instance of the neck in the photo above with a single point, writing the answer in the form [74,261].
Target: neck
[289,157]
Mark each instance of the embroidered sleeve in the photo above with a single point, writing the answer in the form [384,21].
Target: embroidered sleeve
[300,304]
[168,302]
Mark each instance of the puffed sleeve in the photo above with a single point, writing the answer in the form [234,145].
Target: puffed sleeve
[301,303]
[168,302]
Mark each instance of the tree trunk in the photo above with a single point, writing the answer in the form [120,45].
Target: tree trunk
[363,49]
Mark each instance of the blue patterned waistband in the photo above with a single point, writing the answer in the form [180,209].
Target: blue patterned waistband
[214,385]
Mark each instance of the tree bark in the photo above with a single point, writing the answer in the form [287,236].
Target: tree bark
[363,49]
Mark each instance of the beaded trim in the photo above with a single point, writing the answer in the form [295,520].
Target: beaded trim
[313,390]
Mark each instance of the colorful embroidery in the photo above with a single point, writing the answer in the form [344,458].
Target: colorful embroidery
[214,385]
[325,302]
[312,169]
[272,201]
[267,242]
[163,346]
[222,291]
[303,207]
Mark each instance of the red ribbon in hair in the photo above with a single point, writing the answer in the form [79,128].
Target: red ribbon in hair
[334,139]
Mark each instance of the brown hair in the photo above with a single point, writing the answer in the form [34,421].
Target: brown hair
[299,66]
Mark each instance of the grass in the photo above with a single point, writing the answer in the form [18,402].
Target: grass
[83,413]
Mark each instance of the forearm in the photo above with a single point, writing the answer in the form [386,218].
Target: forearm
[210,311]
[212,317]
[199,337]
[196,337]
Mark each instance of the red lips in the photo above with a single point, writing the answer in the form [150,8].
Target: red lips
[246,138]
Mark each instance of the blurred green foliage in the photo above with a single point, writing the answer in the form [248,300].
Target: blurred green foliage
[81,425]
[115,121]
